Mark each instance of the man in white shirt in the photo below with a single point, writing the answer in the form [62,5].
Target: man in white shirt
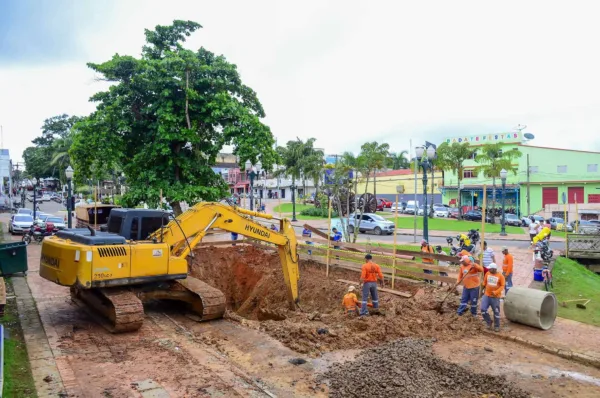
[488,257]
[533,229]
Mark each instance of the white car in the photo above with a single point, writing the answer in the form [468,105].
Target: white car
[440,212]
[45,198]
[20,223]
[58,222]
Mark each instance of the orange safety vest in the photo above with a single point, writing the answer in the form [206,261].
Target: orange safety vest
[427,249]
[370,271]
[350,301]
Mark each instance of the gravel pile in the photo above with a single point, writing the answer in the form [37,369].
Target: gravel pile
[408,368]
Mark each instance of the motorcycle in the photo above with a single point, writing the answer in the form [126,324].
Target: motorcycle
[473,235]
[544,249]
[454,250]
[37,233]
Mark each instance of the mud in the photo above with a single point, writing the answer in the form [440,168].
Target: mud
[408,368]
[253,283]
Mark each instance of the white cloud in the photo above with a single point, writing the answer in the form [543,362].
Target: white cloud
[347,72]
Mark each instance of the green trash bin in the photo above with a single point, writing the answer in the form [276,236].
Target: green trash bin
[13,258]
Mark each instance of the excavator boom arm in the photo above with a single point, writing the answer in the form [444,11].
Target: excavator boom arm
[187,230]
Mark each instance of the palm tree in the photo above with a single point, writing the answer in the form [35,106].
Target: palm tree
[376,156]
[452,158]
[493,159]
[59,151]
[400,160]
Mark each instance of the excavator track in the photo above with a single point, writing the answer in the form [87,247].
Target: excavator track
[120,309]
[207,301]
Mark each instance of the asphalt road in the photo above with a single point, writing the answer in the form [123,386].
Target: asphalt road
[58,209]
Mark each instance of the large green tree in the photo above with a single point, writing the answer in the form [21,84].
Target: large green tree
[165,118]
[451,157]
[492,159]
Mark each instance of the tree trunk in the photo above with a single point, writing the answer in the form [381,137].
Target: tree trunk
[458,199]
[187,102]
[375,187]
[176,208]
[493,200]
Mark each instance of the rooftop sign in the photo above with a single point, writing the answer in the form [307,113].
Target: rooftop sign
[487,138]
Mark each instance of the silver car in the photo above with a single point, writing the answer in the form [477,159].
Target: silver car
[440,211]
[371,222]
[20,223]
[58,222]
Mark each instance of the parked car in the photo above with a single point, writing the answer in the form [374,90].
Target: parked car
[58,222]
[371,222]
[512,219]
[586,227]
[475,215]
[554,221]
[41,217]
[383,204]
[440,212]
[409,209]
[20,223]
[453,212]
[422,210]
[23,210]
[46,198]
[400,205]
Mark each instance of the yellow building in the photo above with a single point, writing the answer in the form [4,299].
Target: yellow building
[388,180]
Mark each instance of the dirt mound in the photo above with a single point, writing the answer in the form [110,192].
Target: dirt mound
[408,368]
[252,281]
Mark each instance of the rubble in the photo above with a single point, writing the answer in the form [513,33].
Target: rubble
[408,368]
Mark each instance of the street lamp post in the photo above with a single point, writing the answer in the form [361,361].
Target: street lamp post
[34,181]
[252,171]
[503,174]
[69,175]
[424,157]
[293,188]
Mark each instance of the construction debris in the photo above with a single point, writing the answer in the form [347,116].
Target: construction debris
[408,368]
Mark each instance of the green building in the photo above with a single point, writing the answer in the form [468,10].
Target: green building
[554,174]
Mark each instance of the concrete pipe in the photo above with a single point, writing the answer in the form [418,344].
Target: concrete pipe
[531,307]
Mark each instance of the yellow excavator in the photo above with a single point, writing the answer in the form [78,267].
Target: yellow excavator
[141,255]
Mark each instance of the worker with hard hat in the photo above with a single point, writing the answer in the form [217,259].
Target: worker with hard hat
[507,268]
[370,273]
[493,282]
[350,302]
[469,275]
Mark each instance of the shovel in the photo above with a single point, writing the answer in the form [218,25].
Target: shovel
[583,306]
[439,306]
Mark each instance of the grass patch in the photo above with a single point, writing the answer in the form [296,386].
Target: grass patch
[571,281]
[303,217]
[287,208]
[449,224]
[18,381]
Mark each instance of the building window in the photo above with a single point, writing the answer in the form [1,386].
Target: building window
[533,169]
[592,168]
[473,155]
[469,174]
[561,169]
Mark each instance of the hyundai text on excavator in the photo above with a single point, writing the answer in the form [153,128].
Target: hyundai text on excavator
[142,256]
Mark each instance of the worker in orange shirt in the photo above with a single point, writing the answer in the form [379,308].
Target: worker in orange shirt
[426,248]
[494,285]
[369,275]
[469,275]
[507,268]
[350,302]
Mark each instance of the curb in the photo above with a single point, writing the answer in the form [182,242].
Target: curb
[566,354]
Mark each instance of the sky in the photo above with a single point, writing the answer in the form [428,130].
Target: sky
[344,72]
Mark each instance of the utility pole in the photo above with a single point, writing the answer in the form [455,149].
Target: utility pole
[528,192]
[416,207]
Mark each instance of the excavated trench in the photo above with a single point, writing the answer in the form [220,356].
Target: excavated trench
[400,340]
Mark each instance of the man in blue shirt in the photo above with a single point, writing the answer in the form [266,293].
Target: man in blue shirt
[336,237]
[307,233]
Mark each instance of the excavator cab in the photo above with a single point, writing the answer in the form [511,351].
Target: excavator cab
[136,224]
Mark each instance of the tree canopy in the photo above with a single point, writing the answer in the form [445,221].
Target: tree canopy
[451,157]
[166,117]
[48,157]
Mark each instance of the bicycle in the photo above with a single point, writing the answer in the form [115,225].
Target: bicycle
[547,274]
